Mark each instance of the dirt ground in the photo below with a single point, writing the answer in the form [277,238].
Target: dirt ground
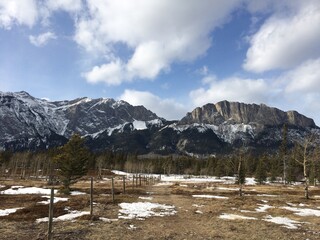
[196,218]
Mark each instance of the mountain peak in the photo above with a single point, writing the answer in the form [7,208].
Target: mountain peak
[237,112]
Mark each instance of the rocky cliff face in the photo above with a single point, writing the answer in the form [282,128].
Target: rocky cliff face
[241,113]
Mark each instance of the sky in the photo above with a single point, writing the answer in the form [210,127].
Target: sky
[170,56]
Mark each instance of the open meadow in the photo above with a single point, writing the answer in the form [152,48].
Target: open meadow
[175,207]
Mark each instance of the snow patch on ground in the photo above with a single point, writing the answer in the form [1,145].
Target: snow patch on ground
[228,189]
[247,211]
[266,195]
[163,184]
[108,220]
[67,217]
[250,181]
[286,222]
[142,210]
[196,179]
[132,227]
[8,211]
[27,190]
[263,207]
[303,211]
[75,193]
[117,172]
[235,217]
[209,196]
[55,200]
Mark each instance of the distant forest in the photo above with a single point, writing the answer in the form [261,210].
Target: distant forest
[287,165]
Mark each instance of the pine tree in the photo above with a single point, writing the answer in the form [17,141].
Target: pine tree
[261,172]
[283,152]
[219,168]
[72,162]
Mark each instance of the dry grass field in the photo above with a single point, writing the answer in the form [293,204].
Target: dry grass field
[187,210]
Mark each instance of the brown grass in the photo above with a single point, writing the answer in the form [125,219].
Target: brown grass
[188,223]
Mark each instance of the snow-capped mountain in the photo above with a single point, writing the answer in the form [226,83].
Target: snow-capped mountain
[28,122]
[107,124]
[227,125]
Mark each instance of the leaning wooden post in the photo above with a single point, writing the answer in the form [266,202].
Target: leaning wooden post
[112,189]
[124,184]
[139,180]
[91,197]
[50,214]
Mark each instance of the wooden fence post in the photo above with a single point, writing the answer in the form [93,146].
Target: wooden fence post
[112,189]
[137,178]
[50,214]
[91,197]
[124,184]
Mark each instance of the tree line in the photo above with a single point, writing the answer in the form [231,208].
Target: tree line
[73,160]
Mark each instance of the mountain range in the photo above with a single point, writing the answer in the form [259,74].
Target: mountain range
[29,123]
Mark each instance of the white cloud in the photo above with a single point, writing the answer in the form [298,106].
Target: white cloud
[42,39]
[286,39]
[29,12]
[110,73]
[66,5]
[303,79]
[166,108]
[301,88]
[158,32]
[22,12]
[231,89]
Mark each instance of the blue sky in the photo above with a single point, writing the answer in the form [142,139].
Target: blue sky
[170,56]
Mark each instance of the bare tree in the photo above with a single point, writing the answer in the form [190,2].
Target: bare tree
[306,149]
[241,178]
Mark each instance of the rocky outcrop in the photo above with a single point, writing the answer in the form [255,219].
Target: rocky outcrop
[241,113]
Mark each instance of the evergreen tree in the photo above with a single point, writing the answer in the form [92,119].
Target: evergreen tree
[219,169]
[283,152]
[292,168]
[261,171]
[274,168]
[72,162]
[241,176]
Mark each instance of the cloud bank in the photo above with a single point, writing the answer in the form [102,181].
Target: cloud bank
[158,33]
[285,40]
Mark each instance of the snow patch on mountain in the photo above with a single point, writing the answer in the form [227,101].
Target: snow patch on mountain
[227,132]
[139,125]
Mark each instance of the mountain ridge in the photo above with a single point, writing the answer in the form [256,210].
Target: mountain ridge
[245,113]
[29,123]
